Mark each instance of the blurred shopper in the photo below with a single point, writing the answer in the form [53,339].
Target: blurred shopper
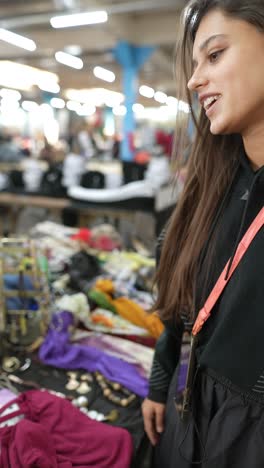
[9,151]
[73,165]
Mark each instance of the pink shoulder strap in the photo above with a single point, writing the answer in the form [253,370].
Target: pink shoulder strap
[216,292]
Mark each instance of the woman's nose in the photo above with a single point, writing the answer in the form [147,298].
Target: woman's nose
[197,80]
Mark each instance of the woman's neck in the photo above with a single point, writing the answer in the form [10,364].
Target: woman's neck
[254,146]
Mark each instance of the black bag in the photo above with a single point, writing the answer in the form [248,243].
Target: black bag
[82,269]
[93,180]
[51,183]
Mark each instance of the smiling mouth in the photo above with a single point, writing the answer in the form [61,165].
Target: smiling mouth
[209,102]
[209,109]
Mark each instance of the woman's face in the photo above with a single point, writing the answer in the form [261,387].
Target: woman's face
[228,73]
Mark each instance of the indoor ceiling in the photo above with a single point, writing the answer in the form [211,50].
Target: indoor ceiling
[140,22]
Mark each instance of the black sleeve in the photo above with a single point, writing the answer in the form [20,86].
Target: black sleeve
[165,361]
[167,351]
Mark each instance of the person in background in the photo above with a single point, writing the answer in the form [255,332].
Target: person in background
[221,425]
[47,153]
[86,141]
[73,165]
[9,151]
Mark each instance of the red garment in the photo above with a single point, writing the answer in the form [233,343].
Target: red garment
[83,235]
[55,434]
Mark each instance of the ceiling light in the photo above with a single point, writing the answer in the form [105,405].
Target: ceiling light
[146,91]
[138,108]
[95,96]
[49,86]
[183,106]
[73,49]
[172,101]
[73,105]
[113,100]
[57,103]
[160,97]
[11,103]
[29,106]
[11,94]
[86,110]
[104,74]
[69,60]
[79,19]
[17,40]
[22,77]
[120,110]
[46,108]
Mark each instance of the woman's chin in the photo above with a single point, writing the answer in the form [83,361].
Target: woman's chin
[219,128]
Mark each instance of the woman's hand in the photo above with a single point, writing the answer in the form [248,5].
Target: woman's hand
[153,415]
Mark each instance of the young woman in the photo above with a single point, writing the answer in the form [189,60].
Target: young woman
[222,60]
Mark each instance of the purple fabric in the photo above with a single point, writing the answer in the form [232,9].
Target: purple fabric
[57,351]
[183,368]
[134,353]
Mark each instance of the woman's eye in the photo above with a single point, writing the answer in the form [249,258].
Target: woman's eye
[214,56]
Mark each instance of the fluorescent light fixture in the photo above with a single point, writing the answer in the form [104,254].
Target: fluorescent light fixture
[138,108]
[183,106]
[73,49]
[10,94]
[23,77]
[119,110]
[158,114]
[49,86]
[146,91]
[73,105]
[113,101]
[30,106]
[104,74]
[11,103]
[86,110]
[17,40]
[178,105]
[95,96]
[46,111]
[57,103]
[79,19]
[69,60]
[160,97]
[172,101]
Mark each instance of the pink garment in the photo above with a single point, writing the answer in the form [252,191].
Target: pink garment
[55,434]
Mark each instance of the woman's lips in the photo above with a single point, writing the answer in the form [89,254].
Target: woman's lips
[212,108]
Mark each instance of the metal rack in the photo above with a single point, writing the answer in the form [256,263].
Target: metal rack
[23,282]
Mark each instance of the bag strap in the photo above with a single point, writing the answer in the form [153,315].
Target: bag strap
[222,281]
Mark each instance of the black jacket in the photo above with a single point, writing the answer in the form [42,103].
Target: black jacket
[230,342]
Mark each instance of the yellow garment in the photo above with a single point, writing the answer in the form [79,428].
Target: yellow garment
[134,259]
[131,311]
[105,285]
[136,315]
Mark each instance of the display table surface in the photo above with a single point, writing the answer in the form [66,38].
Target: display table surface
[158,206]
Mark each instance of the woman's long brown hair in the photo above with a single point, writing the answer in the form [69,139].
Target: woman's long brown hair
[211,168]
